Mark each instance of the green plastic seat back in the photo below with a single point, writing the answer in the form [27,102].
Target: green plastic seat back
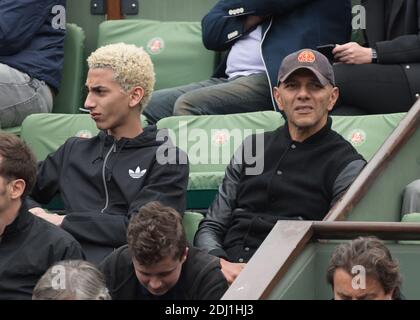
[190,221]
[70,95]
[210,142]
[176,48]
[45,133]
[367,133]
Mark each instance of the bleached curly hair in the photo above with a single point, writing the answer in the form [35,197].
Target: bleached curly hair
[132,67]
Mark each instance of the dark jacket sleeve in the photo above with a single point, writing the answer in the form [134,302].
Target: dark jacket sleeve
[213,227]
[346,178]
[166,183]
[213,284]
[69,250]
[224,24]
[402,49]
[19,21]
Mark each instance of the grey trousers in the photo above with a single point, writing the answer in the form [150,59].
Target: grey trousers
[20,96]
[411,198]
[213,96]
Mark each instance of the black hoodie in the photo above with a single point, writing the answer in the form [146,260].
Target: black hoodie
[103,182]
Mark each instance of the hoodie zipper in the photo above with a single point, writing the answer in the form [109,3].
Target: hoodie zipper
[113,148]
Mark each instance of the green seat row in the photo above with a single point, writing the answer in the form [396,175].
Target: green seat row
[209,141]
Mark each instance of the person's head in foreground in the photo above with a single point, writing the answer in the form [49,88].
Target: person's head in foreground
[120,83]
[306,92]
[158,245]
[364,269]
[71,280]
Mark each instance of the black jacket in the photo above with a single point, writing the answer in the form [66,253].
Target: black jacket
[298,181]
[103,182]
[200,279]
[28,247]
[398,41]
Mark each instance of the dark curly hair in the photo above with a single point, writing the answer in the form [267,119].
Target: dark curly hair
[155,233]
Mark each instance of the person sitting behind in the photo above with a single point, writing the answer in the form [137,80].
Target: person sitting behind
[157,263]
[364,269]
[71,280]
[28,245]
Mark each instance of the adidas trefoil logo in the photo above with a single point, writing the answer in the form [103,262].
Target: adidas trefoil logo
[137,174]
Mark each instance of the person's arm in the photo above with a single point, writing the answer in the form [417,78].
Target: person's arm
[229,20]
[346,178]
[402,49]
[213,227]
[166,183]
[20,21]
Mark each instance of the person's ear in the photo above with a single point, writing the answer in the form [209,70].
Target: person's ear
[278,97]
[335,92]
[17,188]
[136,94]
[184,255]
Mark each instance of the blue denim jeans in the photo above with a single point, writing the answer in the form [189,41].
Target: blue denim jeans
[213,96]
[20,96]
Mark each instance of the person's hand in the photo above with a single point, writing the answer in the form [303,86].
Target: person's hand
[231,270]
[50,217]
[352,53]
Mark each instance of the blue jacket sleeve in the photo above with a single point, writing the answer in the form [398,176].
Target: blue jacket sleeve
[225,22]
[19,21]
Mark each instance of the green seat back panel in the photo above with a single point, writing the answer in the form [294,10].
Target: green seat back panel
[210,142]
[44,133]
[190,221]
[382,201]
[176,48]
[306,278]
[69,98]
[367,133]
[411,217]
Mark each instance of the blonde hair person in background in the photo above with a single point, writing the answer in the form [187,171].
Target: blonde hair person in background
[71,280]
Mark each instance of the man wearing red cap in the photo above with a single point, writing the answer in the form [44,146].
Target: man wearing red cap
[306,167]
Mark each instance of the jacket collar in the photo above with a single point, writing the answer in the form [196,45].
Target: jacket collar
[316,137]
[23,219]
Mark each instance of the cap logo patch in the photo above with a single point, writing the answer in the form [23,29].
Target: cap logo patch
[306,57]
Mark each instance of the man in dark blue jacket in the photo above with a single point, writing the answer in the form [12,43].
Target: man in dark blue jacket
[31,57]
[258,35]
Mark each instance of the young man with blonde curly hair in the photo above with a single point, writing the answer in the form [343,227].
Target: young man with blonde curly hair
[106,179]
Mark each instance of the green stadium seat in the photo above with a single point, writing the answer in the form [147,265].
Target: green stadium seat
[69,98]
[176,48]
[190,221]
[45,132]
[367,133]
[210,142]
[411,217]
[208,162]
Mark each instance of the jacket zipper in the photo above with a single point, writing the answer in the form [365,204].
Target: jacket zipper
[104,178]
